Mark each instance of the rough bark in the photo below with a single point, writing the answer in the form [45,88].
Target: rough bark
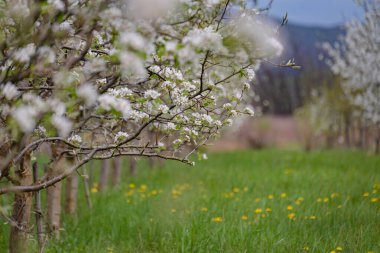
[116,170]
[86,184]
[18,240]
[377,144]
[132,166]
[54,198]
[71,193]
[347,127]
[38,211]
[104,171]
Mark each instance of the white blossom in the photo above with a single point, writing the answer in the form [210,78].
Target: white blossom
[251,75]
[120,136]
[133,40]
[258,36]
[10,91]
[155,68]
[58,4]
[24,54]
[47,54]
[95,65]
[87,92]
[206,39]
[76,139]
[62,124]
[163,108]
[132,66]
[249,111]
[153,94]
[150,9]
[26,118]
[121,92]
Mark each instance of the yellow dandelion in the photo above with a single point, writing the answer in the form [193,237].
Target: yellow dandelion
[319,200]
[217,219]
[333,251]
[373,200]
[154,192]
[204,209]
[339,248]
[292,216]
[306,248]
[130,193]
[366,194]
[173,210]
[374,191]
[283,195]
[258,210]
[264,215]
[142,188]
[244,217]
[236,190]
[175,192]
[313,217]
[132,186]
[334,195]
[245,189]
[270,196]
[268,210]
[370,252]
[289,207]
[257,200]
[94,189]
[325,200]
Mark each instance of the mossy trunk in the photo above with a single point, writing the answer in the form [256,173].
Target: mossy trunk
[116,170]
[18,240]
[54,198]
[104,171]
[132,166]
[71,193]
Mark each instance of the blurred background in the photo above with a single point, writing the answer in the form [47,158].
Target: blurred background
[306,108]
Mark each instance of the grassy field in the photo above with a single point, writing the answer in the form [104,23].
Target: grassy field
[252,201]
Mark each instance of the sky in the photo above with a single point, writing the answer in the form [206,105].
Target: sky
[315,12]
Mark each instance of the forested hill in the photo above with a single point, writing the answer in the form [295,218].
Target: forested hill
[286,89]
[303,41]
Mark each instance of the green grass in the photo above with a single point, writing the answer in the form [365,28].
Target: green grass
[175,211]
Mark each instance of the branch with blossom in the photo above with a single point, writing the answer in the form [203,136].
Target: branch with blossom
[93,77]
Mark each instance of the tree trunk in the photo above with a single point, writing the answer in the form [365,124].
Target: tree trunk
[71,193]
[347,134]
[38,211]
[54,198]
[103,181]
[377,145]
[116,170]
[86,184]
[18,240]
[132,166]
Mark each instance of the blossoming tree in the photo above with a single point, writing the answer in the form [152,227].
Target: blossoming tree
[357,61]
[90,78]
